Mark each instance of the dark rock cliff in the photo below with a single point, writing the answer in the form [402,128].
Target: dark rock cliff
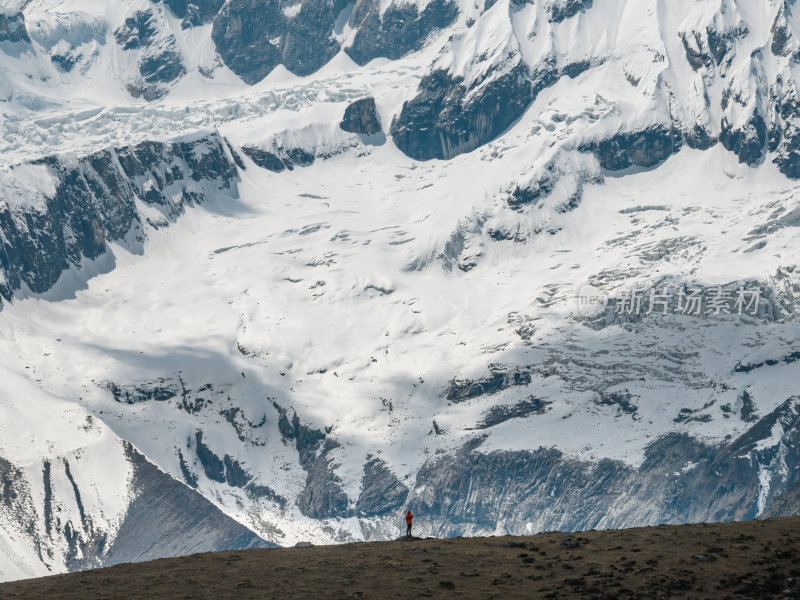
[12,28]
[644,148]
[255,36]
[167,518]
[443,121]
[95,202]
[400,29]
[159,62]
[471,491]
[322,496]
[361,117]
[194,12]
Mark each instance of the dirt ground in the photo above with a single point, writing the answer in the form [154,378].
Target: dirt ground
[755,559]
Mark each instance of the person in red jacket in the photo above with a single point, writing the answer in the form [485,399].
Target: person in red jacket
[409,519]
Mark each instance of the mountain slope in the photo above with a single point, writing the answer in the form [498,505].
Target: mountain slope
[520,267]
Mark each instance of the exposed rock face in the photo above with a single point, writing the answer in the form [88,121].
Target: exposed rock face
[194,12]
[642,148]
[784,131]
[166,518]
[280,160]
[65,60]
[784,42]
[137,32]
[12,28]
[160,391]
[323,496]
[16,503]
[225,470]
[560,10]
[747,142]
[253,37]
[699,137]
[500,379]
[743,129]
[165,67]
[265,159]
[381,492]
[552,491]
[212,465]
[159,62]
[92,201]
[531,194]
[502,413]
[443,121]
[242,34]
[361,117]
[562,179]
[787,503]
[398,30]
[710,47]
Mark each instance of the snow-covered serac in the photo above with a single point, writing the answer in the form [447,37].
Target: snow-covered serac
[277,270]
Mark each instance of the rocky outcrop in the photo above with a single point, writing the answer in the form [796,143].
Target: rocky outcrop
[17,506]
[504,412]
[784,130]
[548,490]
[138,31]
[159,390]
[83,204]
[745,104]
[194,12]
[562,179]
[399,29]
[782,43]
[322,496]
[748,141]
[167,518]
[561,10]
[159,62]
[227,470]
[163,516]
[164,67]
[501,378]
[699,137]
[644,148]
[361,117]
[281,159]
[266,160]
[12,28]
[531,194]
[710,42]
[255,36]
[381,492]
[786,504]
[709,49]
[212,465]
[443,120]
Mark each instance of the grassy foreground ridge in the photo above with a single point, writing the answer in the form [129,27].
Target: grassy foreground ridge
[751,559]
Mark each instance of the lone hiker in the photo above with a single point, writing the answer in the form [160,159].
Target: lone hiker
[409,519]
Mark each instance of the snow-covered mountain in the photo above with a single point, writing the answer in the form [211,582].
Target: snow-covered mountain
[274,271]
